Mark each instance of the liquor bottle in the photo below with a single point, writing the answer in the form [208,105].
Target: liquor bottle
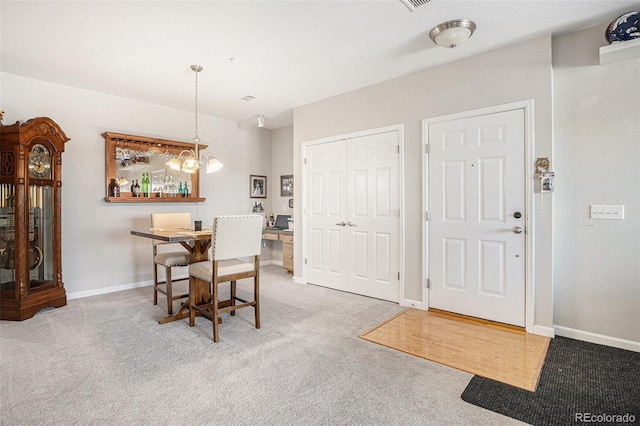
[136,189]
[185,188]
[114,188]
[180,189]
[145,184]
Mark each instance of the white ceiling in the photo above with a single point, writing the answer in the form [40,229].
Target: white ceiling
[286,53]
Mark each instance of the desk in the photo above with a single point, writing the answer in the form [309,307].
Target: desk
[286,236]
[197,243]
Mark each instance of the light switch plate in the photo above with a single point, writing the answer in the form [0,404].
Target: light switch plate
[600,211]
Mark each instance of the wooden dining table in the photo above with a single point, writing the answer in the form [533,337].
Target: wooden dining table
[198,244]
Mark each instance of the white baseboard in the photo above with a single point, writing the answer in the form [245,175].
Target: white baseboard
[298,280]
[544,331]
[106,290]
[597,338]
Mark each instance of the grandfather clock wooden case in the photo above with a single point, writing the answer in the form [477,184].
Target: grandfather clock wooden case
[30,218]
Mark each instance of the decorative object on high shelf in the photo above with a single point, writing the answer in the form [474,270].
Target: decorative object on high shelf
[286,186]
[624,28]
[131,158]
[452,33]
[30,218]
[189,161]
[260,120]
[257,186]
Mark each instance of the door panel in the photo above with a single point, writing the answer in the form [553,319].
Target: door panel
[326,206]
[355,221]
[476,168]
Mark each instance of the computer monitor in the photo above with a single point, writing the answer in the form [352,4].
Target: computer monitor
[282,221]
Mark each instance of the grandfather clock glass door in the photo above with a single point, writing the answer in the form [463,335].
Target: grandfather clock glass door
[40,247]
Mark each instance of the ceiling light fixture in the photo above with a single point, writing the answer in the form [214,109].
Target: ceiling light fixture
[452,33]
[261,120]
[193,158]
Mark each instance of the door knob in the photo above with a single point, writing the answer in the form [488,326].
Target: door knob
[517,230]
[341,223]
[351,223]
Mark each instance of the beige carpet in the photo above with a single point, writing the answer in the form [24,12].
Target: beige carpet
[492,350]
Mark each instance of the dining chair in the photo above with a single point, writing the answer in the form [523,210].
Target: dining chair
[235,254]
[168,259]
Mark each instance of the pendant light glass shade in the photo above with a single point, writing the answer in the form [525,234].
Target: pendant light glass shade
[174,164]
[190,164]
[213,165]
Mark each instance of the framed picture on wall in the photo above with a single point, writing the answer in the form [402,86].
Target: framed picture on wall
[257,186]
[286,186]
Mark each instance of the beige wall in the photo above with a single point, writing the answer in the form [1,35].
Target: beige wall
[514,73]
[597,134]
[98,253]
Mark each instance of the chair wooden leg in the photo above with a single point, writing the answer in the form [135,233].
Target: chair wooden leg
[256,291]
[155,283]
[192,298]
[233,296]
[214,320]
[169,291]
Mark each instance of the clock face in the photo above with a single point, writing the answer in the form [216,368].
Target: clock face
[40,162]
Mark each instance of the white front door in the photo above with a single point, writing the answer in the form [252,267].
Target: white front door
[477,207]
[352,215]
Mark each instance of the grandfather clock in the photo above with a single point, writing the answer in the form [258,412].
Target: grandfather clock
[30,218]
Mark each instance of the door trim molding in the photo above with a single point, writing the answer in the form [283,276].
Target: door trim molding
[401,194]
[527,107]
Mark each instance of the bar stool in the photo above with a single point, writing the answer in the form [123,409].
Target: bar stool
[168,259]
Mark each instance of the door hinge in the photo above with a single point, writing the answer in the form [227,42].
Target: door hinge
[398,146]
[305,162]
[305,260]
[398,276]
[428,283]
[427,148]
[427,216]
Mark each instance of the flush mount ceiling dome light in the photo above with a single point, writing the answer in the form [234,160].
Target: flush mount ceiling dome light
[452,33]
[189,160]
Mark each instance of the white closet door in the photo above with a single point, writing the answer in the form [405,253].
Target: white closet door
[352,215]
[326,209]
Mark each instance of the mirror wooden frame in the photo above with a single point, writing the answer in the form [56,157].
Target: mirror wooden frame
[156,147]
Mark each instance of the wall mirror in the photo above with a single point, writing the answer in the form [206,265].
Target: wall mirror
[136,171]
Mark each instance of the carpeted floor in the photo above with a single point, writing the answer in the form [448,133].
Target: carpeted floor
[580,383]
[105,360]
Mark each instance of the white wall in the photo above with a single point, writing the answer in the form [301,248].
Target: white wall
[514,73]
[98,252]
[597,137]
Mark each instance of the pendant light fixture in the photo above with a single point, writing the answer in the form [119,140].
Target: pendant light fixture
[190,160]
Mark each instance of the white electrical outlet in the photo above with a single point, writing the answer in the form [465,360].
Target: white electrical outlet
[599,211]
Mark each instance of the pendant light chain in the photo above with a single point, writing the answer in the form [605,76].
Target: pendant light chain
[196,139]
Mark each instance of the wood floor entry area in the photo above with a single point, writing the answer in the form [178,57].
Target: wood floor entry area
[496,351]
